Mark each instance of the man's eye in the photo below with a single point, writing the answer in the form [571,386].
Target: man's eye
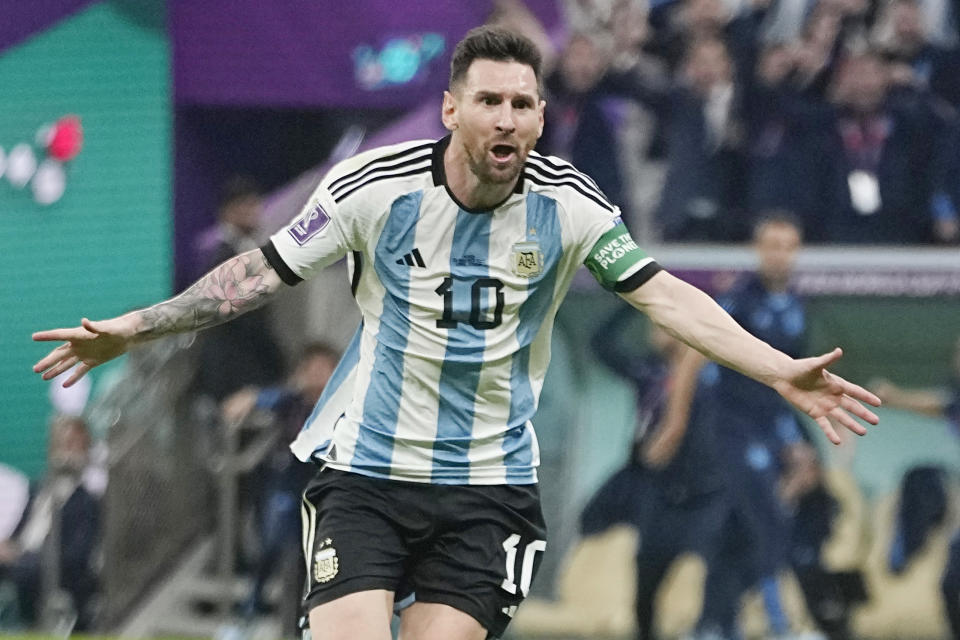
[521,104]
[490,100]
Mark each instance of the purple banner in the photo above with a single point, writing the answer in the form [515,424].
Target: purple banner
[18,20]
[364,53]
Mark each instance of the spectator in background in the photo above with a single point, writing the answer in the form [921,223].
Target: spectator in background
[699,114]
[944,402]
[245,352]
[916,64]
[62,497]
[671,488]
[828,594]
[786,112]
[879,161]
[946,224]
[782,95]
[755,433]
[581,125]
[14,495]
[281,477]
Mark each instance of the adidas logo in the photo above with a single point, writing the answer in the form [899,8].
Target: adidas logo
[412,259]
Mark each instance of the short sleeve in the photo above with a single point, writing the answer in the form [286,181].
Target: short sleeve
[314,239]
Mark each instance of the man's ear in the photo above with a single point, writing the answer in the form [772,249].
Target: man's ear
[449,113]
[541,108]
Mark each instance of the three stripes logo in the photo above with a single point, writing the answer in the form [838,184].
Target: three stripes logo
[412,259]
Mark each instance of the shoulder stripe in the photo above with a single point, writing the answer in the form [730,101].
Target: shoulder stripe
[382,176]
[558,181]
[405,162]
[379,161]
[569,169]
[568,183]
[569,176]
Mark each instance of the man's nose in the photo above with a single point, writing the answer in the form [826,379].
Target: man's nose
[505,123]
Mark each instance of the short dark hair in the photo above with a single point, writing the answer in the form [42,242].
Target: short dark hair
[777,217]
[494,43]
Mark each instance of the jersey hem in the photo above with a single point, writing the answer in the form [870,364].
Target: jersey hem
[491,477]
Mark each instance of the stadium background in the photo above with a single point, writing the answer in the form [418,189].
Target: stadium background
[169,111]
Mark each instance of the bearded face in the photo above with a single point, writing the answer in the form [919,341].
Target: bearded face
[497,116]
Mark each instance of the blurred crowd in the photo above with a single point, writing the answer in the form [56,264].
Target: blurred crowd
[699,116]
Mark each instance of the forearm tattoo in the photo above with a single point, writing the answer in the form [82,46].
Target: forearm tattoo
[234,287]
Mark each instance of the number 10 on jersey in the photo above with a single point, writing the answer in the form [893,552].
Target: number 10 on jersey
[479,318]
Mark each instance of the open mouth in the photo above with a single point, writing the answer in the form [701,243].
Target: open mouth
[502,152]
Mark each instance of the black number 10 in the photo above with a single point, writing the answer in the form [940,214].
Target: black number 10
[447,321]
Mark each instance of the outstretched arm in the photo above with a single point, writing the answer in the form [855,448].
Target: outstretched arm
[236,286]
[926,401]
[693,317]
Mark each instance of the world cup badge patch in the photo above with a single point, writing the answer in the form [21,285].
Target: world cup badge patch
[527,259]
[325,562]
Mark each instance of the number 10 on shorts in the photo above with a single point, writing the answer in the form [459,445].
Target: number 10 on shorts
[526,563]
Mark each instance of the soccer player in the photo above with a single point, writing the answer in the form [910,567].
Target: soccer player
[756,430]
[460,252]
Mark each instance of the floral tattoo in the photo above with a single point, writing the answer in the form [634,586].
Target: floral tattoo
[234,287]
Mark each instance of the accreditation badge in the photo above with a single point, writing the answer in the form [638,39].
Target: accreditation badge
[864,192]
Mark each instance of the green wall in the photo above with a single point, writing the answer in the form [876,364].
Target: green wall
[105,246]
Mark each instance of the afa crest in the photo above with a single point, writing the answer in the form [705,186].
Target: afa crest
[527,259]
[326,564]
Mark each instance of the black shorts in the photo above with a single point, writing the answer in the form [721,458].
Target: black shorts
[473,547]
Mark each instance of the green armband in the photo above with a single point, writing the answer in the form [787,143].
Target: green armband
[613,254]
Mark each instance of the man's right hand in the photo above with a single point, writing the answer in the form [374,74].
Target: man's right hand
[86,346]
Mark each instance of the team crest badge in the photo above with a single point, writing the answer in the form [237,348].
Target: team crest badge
[527,259]
[326,564]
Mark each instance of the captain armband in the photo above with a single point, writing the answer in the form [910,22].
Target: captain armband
[618,263]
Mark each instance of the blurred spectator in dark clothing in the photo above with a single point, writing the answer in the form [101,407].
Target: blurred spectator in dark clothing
[944,402]
[61,499]
[702,196]
[781,128]
[917,65]
[582,121]
[946,222]
[922,507]
[678,24]
[827,594]
[877,162]
[244,352]
[671,488]
[281,478]
[950,586]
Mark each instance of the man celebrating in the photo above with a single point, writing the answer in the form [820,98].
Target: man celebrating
[460,252]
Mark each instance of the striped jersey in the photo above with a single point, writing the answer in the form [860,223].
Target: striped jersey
[442,378]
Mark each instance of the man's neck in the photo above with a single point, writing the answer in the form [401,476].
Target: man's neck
[774,284]
[464,183]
